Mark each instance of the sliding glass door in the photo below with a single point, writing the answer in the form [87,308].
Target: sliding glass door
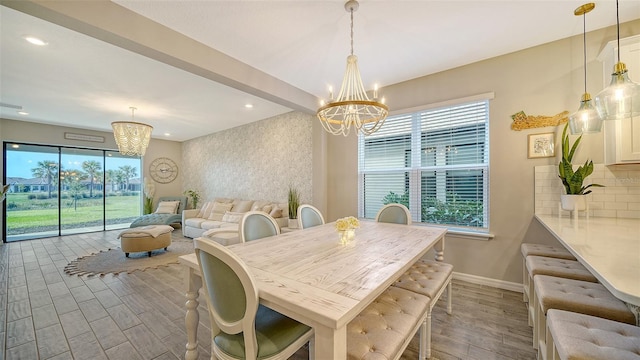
[58,190]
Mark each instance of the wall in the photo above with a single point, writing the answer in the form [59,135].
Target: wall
[543,80]
[256,161]
[34,133]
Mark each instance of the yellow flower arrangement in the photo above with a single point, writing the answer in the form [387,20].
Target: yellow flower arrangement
[347,223]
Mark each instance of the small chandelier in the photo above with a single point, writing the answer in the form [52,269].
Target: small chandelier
[621,99]
[352,107]
[132,137]
[586,120]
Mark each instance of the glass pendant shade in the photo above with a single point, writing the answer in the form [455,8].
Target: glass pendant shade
[132,137]
[621,99]
[587,119]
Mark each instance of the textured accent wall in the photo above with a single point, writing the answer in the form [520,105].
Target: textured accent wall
[620,198]
[256,161]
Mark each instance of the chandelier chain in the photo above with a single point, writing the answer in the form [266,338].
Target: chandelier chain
[351,11]
[584,48]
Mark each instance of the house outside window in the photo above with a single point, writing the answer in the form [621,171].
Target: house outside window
[434,161]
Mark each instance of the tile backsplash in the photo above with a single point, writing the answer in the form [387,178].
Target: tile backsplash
[620,198]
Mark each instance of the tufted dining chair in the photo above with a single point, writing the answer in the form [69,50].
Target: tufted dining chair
[425,277]
[241,328]
[394,213]
[257,225]
[309,216]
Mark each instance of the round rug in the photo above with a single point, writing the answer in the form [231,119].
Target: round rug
[113,261]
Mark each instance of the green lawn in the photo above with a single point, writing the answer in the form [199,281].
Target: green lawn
[26,215]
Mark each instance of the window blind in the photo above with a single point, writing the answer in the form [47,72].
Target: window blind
[434,161]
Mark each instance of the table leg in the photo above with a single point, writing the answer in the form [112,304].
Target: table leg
[192,318]
[330,343]
[439,249]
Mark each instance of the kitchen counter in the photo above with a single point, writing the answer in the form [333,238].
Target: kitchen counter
[608,247]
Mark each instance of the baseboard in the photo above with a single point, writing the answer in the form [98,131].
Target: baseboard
[500,284]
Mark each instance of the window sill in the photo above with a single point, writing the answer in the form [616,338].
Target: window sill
[470,235]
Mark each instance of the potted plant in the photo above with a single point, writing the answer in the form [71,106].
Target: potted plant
[294,202]
[5,189]
[573,180]
[195,197]
[149,191]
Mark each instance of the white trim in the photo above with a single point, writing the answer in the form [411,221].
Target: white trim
[479,280]
[468,99]
[471,235]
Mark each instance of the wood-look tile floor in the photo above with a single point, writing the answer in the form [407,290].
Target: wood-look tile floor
[46,314]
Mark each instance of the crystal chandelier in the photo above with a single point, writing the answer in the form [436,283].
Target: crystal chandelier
[352,107]
[586,120]
[621,99]
[132,137]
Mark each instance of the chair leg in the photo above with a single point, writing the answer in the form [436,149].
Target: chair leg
[525,277]
[427,350]
[423,340]
[126,254]
[149,253]
[449,296]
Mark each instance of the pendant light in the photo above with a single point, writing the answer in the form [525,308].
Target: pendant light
[352,107]
[587,119]
[132,137]
[621,99]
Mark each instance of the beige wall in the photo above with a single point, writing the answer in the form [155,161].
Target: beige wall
[27,132]
[544,80]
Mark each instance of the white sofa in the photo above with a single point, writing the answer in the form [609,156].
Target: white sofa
[221,217]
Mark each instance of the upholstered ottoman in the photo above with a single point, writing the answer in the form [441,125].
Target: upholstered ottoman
[145,239]
[529,249]
[577,336]
[577,296]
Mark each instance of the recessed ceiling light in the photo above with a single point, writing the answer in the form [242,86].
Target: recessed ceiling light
[23,113]
[35,41]
[15,146]
[248,106]
[167,134]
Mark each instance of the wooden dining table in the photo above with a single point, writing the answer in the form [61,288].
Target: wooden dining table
[311,276]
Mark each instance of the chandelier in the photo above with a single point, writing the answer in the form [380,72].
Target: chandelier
[621,99]
[352,107]
[586,120]
[132,137]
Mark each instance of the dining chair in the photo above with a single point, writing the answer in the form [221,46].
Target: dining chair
[394,213]
[425,277]
[309,216]
[241,328]
[257,225]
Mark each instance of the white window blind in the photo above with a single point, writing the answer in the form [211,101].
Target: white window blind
[434,161]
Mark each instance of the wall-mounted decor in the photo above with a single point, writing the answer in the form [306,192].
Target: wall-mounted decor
[83,137]
[523,121]
[541,145]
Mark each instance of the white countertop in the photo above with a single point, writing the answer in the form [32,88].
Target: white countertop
[608,247]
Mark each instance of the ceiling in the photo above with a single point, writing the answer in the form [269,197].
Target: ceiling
[77,80]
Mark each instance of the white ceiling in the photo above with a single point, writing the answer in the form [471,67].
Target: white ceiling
[83,82]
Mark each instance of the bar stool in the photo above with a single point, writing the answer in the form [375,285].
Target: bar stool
[573,295]
[568,269]
[429,278]
[578,336]
[528,249]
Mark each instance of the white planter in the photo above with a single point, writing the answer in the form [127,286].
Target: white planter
[573,202]
[293,223]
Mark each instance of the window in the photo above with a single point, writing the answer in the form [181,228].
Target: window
[434,161]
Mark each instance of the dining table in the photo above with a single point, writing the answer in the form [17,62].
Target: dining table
[316,278]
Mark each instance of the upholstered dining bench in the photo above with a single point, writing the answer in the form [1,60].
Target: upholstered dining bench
[383,329]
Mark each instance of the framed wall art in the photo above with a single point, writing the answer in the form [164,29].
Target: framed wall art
[541,145]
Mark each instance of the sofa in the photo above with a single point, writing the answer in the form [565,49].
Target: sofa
[222,217]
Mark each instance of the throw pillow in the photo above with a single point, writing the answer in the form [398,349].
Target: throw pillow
[232,217]
[218,210]
[242,206]
[167,207]
[276,212]
[267,209]
[205,208]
